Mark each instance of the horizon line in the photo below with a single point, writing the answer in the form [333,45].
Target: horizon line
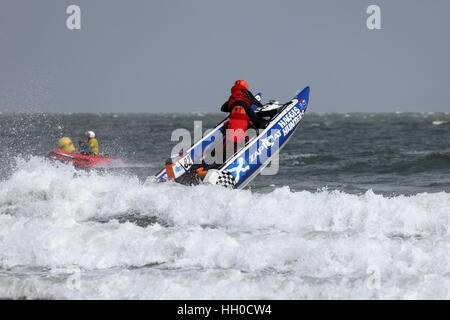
[201,113]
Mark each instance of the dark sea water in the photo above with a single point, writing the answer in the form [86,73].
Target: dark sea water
[360,208]
[402,153]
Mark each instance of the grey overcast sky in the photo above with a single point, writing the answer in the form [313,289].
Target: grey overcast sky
[183,56]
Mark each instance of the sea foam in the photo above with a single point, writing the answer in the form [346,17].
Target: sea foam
[211,242]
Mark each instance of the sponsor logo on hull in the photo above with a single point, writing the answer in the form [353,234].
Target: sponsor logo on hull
[290,120]
[265,144]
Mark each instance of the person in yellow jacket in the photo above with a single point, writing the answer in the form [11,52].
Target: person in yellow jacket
[66,144]
[91,147]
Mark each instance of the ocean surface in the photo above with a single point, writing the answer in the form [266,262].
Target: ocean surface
[359,209]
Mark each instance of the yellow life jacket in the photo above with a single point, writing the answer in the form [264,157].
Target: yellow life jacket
[93,143]
[65,144]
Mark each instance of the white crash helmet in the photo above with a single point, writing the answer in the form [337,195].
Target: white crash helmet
[90,134]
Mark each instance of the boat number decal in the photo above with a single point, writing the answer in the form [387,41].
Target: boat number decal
[186,162]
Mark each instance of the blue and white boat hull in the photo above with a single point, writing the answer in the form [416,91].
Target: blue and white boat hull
[248,162]
[258,153]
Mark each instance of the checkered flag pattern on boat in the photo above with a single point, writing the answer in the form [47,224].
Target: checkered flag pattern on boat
[226,179]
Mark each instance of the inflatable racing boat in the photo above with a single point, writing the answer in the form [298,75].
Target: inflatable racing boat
[240,169]
[79,160]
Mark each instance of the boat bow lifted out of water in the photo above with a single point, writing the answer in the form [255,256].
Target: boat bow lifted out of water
[239,170]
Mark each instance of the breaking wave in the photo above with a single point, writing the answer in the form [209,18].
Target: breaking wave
[162,241]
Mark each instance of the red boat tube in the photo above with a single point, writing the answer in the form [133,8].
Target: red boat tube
[79,160]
